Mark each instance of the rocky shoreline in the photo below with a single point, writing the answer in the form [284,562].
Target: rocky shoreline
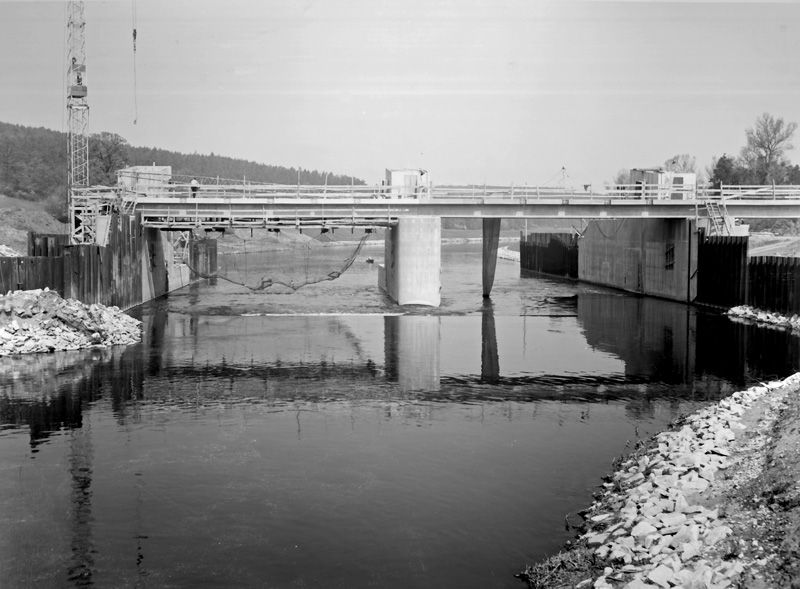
[34,321]
[712,503]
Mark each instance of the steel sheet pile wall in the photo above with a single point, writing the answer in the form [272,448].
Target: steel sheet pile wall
[112,275]
[49,245]
[551,253]
[27,273]
[88,273]
[722,271]
[106,275]
[774,284]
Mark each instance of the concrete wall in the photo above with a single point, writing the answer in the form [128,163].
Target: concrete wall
[412,265]
[154,265]
[656,257]
[160,273]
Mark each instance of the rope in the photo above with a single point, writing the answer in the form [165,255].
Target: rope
[264,282]
[135,92]
[552,177]
[615,231]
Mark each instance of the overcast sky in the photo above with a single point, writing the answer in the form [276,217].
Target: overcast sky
[498,91]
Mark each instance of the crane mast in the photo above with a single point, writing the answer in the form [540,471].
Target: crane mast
[78,113]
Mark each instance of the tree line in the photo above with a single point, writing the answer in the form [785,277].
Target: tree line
[34,165]
[761,161]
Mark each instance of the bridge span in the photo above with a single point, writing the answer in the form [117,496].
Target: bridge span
[412,215]
[178,208]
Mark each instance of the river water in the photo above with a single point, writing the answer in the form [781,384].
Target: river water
[330,438]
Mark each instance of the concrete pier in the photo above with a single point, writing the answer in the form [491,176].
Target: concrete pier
[412,265]
[491,241]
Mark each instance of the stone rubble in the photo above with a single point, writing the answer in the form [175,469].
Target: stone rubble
[752,314]
[7,252]
[649,522]
[41,321]
[507,254]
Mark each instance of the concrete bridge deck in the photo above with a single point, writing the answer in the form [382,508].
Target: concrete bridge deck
[211,209]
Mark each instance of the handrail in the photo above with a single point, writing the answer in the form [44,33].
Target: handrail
[517,193]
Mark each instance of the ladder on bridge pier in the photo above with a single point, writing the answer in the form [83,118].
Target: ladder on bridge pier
[718,217]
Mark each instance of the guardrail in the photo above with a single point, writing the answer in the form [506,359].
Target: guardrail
[627,192]
[774,192]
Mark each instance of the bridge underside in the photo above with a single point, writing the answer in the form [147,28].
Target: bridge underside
[187,213]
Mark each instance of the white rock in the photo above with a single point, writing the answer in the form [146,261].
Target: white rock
[661,575]
[714,535]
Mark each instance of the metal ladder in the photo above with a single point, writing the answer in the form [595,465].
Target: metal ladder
[718,215]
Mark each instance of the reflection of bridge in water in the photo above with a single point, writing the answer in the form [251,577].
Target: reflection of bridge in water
[658,348]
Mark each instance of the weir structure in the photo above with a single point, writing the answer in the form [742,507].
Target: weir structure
[411,214]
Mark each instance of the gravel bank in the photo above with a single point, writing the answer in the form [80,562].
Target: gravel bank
[713,503]
[41,321]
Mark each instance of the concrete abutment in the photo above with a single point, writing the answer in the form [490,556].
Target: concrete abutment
[656,257]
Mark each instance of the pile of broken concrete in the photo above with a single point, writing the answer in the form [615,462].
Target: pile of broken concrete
[41,321]
[650,521]
[749,313]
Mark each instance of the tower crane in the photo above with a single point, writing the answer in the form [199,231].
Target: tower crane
[78,114]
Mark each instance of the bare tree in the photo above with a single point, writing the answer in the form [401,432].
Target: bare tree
[767,143]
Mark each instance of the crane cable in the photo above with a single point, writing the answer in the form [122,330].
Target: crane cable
[135,93]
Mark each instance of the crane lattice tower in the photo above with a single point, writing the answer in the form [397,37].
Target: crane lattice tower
[78,112]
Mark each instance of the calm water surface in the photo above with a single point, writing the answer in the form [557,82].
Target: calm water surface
[331,438]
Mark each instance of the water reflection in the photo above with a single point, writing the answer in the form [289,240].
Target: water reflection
[656,339]
[81,567]
[334,435]
[617,346]
[490,359]
[411,346]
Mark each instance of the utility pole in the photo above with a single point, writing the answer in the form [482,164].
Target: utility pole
[78,111]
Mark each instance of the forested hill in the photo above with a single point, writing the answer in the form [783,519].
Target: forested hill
[33,164]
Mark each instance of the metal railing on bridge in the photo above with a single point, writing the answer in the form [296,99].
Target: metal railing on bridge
[168,202]
[139,184]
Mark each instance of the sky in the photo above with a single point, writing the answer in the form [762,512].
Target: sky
[499,91]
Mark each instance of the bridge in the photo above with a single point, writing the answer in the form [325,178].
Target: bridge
[412,213]
[175,207]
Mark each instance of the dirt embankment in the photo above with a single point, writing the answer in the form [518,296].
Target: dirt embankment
[18,217]
[766,244]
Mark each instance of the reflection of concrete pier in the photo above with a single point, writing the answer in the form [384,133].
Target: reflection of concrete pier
[411,345]
[490,359]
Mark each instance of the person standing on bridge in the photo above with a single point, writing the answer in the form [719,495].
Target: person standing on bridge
[195,186]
